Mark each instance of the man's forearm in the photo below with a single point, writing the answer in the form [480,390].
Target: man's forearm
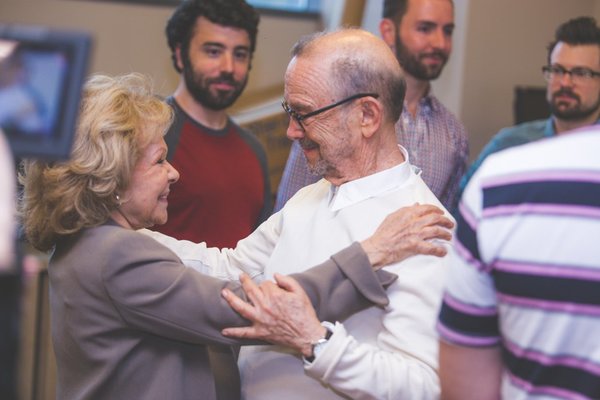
[470,373]
[225,264]
[345,284]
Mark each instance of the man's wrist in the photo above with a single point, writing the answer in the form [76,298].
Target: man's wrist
[317,346]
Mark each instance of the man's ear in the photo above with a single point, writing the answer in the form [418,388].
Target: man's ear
[178,57]
[371,116]
[387,28]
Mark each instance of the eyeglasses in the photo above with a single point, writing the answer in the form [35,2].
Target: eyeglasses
[578,74]
[299,118]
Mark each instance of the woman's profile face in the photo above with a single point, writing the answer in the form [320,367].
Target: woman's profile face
[144,203]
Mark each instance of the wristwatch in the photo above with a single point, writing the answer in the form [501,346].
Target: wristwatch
[317,346]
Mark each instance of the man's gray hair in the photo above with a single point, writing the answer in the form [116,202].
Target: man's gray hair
[351,73]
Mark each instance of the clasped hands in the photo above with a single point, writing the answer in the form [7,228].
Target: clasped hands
[280,311]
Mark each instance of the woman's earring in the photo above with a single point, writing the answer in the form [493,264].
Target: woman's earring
[118,200]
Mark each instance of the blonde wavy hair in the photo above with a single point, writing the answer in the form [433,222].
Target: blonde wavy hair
[118,117]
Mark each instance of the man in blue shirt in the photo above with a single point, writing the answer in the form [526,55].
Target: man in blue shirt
[573,91]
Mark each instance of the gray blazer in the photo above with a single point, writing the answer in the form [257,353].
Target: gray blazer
[130,321]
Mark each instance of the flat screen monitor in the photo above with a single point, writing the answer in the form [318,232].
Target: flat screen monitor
[42,71]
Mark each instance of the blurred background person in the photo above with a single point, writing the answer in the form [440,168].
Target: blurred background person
[20,106]
[573,90]
[10,287]
[7,207]
[223,193]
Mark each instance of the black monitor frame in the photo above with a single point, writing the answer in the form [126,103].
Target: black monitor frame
[72,47]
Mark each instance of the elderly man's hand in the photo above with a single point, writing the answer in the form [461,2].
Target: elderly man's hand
[280,313]
[407,232]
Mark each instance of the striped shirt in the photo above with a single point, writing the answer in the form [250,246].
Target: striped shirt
[525,270]
[436,142]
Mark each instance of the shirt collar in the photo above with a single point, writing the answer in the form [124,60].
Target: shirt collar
[549,128]
[355,191]
[431,101]
[428,104]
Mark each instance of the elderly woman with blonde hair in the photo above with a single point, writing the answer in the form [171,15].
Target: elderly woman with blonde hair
[129,320]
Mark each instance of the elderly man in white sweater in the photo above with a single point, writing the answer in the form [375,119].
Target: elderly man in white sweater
[343,92]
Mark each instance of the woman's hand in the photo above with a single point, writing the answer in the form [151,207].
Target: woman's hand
[280,312]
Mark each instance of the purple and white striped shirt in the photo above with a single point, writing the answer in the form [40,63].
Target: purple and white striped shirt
[525,269]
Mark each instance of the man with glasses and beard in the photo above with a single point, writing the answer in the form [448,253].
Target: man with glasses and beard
[573,91]
[223,193]
[420,34]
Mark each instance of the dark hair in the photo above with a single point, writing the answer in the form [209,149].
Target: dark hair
[233,13]
[576,31]
[394,9]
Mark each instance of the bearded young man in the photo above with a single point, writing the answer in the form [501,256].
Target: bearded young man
[573,91]
[224,192]
[420,34]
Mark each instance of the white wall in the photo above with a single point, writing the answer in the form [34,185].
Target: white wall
[332,12]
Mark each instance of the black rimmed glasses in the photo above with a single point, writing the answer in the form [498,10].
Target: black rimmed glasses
[577,74]
[299,118]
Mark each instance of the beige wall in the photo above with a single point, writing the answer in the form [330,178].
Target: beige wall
[131,38]
[127,37]
[597,10]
